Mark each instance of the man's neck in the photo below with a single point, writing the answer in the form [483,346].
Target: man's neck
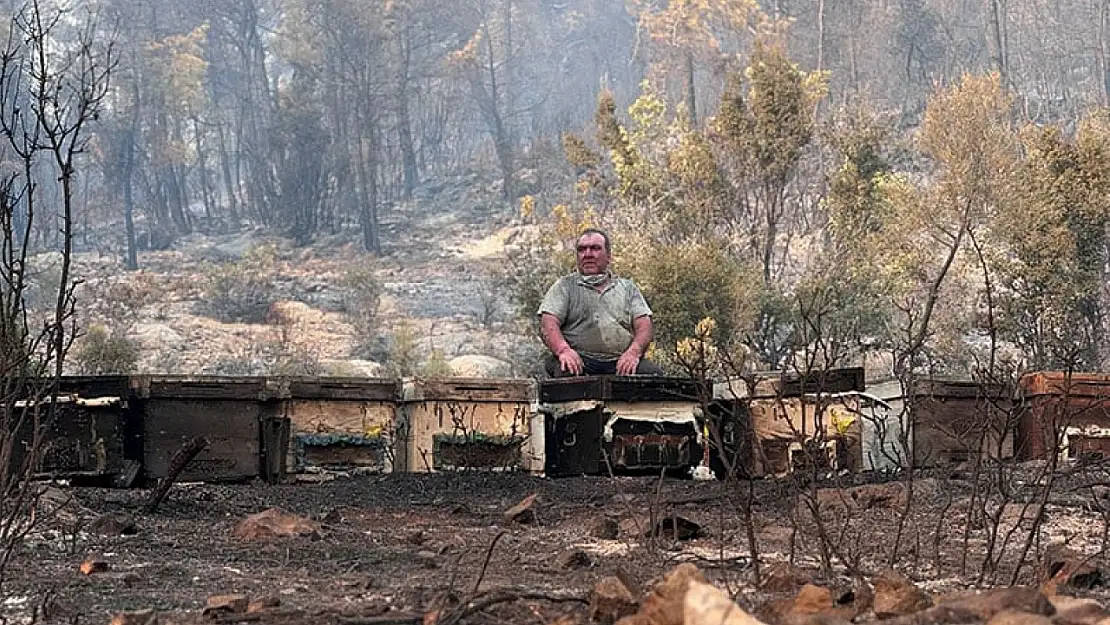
[597,280]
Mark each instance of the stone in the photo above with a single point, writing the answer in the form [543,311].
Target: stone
[896,595]
[113,524]
[427,559]
[675,528]
[57,506]
[479,366]
[92,566]
[891,495]
[226,604]
[157,336]
[610,600]
[783,577]
[1075,611]
[986,604]
[606,528]
[665,604]
[708,605]
[812,619]
[812,599]
[130,579]
[1015,617]
[262,604]
[136,617]
[523,512]
[817,604]
[274,523]
[574,559]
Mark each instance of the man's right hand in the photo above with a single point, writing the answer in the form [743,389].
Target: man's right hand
[571,362]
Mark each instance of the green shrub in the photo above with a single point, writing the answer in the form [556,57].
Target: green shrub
[686,283]
[242,291]
[100,352]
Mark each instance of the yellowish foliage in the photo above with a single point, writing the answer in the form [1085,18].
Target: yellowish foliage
[178,65]
[700,24]
[527,207]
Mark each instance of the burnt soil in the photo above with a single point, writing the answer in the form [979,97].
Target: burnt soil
[405,544]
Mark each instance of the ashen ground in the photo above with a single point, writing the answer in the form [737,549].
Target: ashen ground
[406,544]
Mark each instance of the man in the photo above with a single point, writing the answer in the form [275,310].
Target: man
[593,322]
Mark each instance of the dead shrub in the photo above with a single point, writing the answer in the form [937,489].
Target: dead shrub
[361,296]
[403,358]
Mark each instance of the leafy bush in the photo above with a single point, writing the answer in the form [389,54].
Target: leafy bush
[100,352]
[686,283]
[404,357]
[242,291]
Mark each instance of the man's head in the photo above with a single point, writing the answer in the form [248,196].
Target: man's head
[592,252]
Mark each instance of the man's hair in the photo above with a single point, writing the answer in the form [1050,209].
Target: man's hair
[604,235]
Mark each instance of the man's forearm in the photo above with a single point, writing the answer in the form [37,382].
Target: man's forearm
[642,334]
[552,335]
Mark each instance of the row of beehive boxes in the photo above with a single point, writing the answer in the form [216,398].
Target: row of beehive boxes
[127,428]
[947,420]
[942,421]
[130,426]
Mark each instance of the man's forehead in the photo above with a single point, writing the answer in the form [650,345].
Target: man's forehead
[592,239]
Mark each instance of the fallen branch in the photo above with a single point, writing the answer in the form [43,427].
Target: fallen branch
[504,595]
[383,619]
[485,564]
[180,460]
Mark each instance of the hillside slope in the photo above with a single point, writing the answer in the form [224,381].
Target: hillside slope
[439,298]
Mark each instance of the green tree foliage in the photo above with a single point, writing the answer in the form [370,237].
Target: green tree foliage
[1051,253]
[762,133]
[686,283]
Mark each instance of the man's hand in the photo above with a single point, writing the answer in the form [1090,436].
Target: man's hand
[570,361]
[629,361]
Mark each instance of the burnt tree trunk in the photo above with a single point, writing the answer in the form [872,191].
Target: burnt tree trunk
[180,460]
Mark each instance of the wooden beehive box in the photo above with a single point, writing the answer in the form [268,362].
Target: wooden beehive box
[342,422]
[465,424]
[89,433]
[228,412]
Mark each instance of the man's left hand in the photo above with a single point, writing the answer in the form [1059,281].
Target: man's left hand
[628,362]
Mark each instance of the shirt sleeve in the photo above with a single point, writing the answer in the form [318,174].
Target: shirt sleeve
[555,301]
[637,305]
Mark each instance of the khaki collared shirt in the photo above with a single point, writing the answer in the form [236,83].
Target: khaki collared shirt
[596,324]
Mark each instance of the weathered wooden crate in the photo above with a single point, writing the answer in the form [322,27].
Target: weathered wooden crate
[955,420]
[457,424]
[89,433]
[235,415]
[1069,412]
[783,422]
[341,422]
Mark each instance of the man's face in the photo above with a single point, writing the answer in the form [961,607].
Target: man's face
[592,257]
